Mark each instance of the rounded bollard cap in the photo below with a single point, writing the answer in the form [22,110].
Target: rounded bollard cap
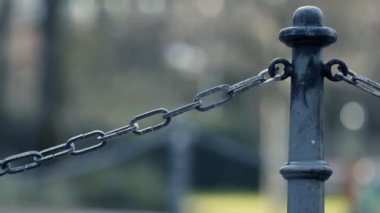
[308,16]
[308,29]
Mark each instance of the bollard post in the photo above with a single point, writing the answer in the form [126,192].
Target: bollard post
[180,143]
[306,170]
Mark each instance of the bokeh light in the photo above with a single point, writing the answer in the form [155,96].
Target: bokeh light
[364,171]
[352,116]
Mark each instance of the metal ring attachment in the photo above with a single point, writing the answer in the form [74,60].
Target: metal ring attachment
[342,67]
[273,69]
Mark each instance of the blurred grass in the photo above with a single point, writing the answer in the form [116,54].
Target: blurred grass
[244,202]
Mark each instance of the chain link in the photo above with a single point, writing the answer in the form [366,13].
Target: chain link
[351,77]
[31,156]
[32,159]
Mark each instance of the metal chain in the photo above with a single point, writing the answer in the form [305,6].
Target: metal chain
[351,77]
[32,159]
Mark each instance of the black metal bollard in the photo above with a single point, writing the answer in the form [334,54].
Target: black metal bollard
[306,171]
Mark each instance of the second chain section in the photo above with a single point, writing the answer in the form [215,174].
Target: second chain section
[279,69]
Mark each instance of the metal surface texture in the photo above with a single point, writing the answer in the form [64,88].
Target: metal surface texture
[306,171]
[31,159]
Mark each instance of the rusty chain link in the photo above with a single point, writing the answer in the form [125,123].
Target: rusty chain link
[32,159]
[351,77]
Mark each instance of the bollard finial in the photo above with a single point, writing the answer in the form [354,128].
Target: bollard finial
[308,16]
[308,29]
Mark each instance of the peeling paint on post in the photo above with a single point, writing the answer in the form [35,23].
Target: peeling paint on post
[306,171]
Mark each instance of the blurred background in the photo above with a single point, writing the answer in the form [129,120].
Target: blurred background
[71,66]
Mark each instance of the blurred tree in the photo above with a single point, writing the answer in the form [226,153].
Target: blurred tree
[52,81]
[5,13]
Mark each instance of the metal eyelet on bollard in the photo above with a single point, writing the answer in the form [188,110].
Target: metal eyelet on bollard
[351,77]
